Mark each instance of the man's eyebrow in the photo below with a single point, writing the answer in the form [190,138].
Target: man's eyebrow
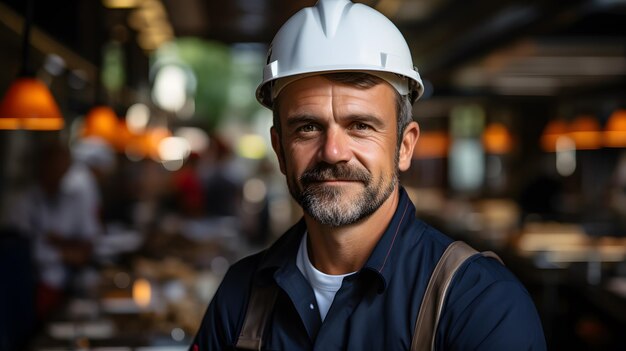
[373,120]
[300,119]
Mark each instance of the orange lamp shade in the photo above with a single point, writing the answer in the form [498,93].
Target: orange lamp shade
[28,104]
[146,144]
[152,140]
[497,139]
[615,131]
[122,137]
[585,131]
[101,121]
[551,133]
[431,145]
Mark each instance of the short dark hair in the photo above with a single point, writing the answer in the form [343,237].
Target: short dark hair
[362,80]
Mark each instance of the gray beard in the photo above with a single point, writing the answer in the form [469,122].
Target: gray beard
[324,203]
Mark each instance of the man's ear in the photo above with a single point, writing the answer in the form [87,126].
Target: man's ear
[409,139]
[278,150]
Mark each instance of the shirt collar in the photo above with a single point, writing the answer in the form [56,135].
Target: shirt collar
[282,253]
[381,262]
[379,265]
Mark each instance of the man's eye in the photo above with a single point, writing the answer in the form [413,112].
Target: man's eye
[307,128]
[361,126]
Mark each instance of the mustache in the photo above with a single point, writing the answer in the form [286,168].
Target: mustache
[324,171]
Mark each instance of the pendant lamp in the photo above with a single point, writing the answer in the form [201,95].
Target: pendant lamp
[585,131]
[101,121]
[28,103]
[615,130]
[497,139]
[554,130]
[432,145]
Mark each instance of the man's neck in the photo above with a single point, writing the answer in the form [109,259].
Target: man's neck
[341,250]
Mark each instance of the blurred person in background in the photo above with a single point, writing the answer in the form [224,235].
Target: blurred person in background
[188,191]
[351,274]
[60,214]
[222,186]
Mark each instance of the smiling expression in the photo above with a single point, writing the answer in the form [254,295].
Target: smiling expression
[338,148]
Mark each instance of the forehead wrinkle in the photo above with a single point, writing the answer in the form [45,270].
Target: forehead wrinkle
[352,105]
[307,100]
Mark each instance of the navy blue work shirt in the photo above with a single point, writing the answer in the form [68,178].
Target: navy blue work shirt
[487,308]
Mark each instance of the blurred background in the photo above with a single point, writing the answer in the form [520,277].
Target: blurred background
[135,162]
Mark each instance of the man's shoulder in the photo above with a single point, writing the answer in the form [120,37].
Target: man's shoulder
[426,241]
[272,257]
[488,307]
[241,272]
[476,275]
[431,242]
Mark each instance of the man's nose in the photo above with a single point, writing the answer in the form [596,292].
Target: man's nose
[336,146]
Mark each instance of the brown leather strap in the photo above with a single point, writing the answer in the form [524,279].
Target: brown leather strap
[259,307]
[434,297]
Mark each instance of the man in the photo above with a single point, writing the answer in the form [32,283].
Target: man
[352,273]
[60,214]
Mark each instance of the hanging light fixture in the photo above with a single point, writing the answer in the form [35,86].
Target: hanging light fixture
[497,139]
[554,130]
[101,121]
[615,131]
[585,131]
[431,145]
[28,104]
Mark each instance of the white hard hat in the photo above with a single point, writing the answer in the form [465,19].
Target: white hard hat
[338,36]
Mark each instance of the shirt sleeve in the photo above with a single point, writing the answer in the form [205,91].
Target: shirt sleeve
[487,308]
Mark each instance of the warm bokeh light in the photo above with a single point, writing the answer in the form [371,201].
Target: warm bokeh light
[9,123]
[120,4]
[142,292]
[615,130]
[252,146]
[150,19]
[122,137]
[152,139]
[101,121]
[551,133]
[140,146]
[254,190]
[173,149]
[137,118]
[431,144]
[497,139]
[197,138]
[28,104]
[585,131]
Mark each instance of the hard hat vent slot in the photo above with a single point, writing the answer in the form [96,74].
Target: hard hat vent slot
[271,69]
[330,14]
[383,59]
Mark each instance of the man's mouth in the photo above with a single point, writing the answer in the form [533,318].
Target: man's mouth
[333,181]
[334,175]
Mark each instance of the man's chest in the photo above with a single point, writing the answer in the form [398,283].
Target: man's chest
[358,319]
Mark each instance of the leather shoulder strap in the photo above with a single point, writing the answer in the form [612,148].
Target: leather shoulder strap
[259,308]
[434,297]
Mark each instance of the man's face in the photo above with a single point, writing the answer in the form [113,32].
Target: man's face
[338,148]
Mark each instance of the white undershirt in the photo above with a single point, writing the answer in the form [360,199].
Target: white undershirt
[324,286]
